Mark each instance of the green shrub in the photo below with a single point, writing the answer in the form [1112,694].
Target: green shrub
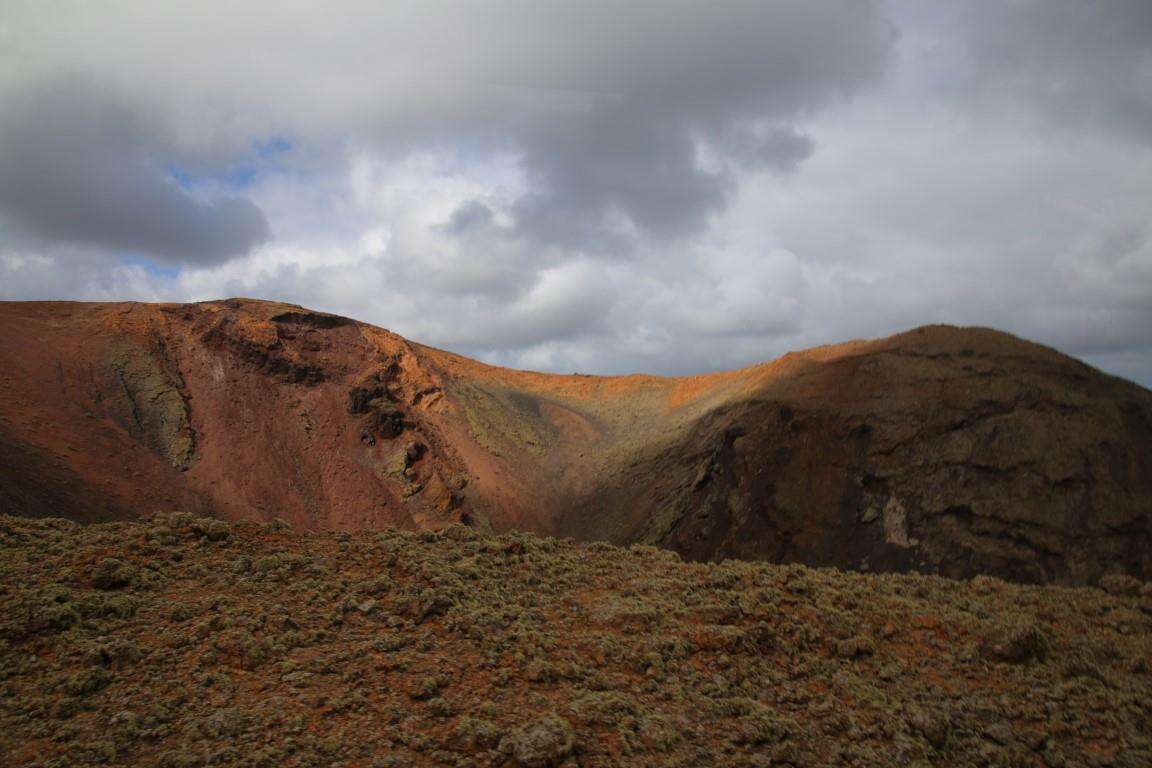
[604,708]
[113,573]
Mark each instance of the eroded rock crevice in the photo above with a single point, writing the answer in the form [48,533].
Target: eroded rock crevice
[151,403]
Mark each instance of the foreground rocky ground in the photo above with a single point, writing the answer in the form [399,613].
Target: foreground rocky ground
[185,641]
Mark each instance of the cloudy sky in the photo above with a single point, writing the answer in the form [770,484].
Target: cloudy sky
[594,186]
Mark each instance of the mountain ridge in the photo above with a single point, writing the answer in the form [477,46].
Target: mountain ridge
[949,450]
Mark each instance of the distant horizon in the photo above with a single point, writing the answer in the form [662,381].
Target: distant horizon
[594,374]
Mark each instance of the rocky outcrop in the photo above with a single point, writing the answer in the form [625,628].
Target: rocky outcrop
[267,353]
[149,402]
[948,450]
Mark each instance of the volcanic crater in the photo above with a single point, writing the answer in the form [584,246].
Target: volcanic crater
[945,450]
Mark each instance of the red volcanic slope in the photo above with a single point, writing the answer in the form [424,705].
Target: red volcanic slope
[951,450]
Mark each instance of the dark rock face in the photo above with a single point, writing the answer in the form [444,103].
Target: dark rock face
[267,358]
[384,416]
[360,398]
[926,456]
[315,320]
[386,420]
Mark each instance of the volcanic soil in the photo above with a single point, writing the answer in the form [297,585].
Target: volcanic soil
[188,641]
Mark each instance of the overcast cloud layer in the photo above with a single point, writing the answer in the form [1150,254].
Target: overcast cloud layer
[598,186]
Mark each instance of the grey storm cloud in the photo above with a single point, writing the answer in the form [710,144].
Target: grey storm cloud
[672,79]
[605,186]
[1084,64]
[79,166]
[470,217]
[606,104]
[780,149]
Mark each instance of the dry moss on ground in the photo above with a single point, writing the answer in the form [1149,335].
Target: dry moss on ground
[188,642]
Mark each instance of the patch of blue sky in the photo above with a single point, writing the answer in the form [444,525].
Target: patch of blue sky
[272,147]
[149,266]
[185,180]
[264,157]
[241,176]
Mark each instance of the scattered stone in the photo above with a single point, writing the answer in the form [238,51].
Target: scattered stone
[855,647]
[1000,733]
[1015,643]
[544,744]
[935,727]
[224,723]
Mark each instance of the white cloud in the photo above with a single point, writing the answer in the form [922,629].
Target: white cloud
[667,191]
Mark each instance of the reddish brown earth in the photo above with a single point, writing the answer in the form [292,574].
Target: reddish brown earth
[948,450]
[186,642]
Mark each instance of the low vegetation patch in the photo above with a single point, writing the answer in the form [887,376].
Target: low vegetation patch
[187,642]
